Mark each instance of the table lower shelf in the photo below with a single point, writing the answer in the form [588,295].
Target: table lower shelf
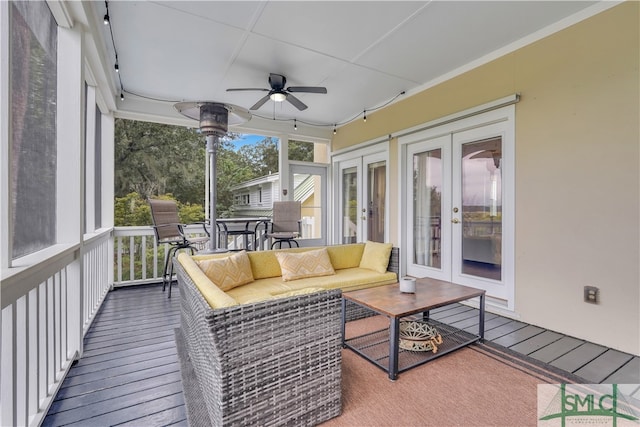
[374,346]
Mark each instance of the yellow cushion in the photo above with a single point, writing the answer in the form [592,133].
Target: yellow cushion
[304,264]
[264,264]
[229,272]
[303,291]
[265,296]
[211,293]
[376,256]
[345,256]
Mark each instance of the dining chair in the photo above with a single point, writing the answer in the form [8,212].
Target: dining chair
[169,230]
[286,223]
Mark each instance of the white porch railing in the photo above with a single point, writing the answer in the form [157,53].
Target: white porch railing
[46,310]
[138,260]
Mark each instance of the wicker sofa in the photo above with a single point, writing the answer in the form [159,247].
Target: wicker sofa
[275,360]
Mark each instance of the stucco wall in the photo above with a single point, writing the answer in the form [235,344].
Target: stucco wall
[577,170]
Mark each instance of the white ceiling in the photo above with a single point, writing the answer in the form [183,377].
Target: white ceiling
[364,52]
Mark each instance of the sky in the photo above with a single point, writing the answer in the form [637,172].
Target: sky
[247,140]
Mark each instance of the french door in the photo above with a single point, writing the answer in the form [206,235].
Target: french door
[459,216]
[361,201]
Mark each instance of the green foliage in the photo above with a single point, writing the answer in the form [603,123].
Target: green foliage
[131,210]
[156,160]
[153,159]
[134,210]
[301,150]
[262,158]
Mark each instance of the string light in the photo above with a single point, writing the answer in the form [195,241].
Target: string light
[116,66]
[106,15]
[107,21]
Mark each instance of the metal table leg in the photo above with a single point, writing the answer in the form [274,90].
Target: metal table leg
[481,325]
[394,346]
[344,320]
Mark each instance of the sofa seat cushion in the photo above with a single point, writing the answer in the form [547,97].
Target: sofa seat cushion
[267,296]
[211,293]
[347,279]
[253,290]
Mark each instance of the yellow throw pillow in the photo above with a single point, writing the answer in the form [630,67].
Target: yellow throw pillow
[298,265]
[228,272]
[376,256]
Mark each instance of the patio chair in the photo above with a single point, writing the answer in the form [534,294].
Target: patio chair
[168,229]
[286,223]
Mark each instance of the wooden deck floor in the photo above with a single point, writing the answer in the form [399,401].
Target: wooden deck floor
[129,373]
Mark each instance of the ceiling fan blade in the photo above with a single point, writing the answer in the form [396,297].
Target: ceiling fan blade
[260,103]
[248,88]
[296,102]
[308,89]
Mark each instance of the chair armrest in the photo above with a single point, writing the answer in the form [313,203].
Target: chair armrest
[204,226]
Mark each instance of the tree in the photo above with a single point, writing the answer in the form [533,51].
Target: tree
[301,150]
[133,210]
[153,159]
[262,158]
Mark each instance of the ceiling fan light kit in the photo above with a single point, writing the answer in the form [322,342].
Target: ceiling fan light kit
[278,96]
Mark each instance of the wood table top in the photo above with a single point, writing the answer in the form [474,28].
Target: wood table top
[430,294]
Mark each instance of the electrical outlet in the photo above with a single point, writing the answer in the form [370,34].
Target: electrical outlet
[591,294]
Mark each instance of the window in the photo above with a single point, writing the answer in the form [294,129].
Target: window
[304,151]
[93,162]
[33,98]
[98,170]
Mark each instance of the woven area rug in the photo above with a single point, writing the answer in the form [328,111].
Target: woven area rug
[479,385]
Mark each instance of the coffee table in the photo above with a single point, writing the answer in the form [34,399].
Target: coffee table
[382,347]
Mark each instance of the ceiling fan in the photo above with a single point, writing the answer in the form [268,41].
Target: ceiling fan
[278,93]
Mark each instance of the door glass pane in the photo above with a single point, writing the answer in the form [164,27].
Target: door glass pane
[427,207]
[308,189]
[482,208]
[376,194]
[349,205]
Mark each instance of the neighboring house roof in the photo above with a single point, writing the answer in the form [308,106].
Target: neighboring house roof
[274,177]
[303,188]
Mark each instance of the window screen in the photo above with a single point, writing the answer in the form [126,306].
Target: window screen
[33,92]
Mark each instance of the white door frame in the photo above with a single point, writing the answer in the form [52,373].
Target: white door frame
[295,168]
[505,117]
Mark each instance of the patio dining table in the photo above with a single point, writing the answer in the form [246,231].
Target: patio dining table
[244,226]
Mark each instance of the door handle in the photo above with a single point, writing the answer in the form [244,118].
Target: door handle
[455,220]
